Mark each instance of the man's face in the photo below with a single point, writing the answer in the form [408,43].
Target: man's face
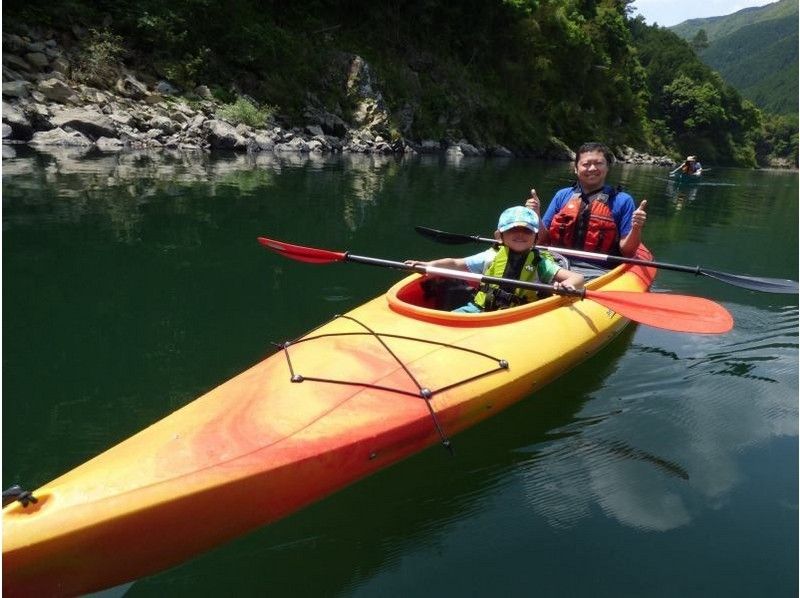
[591,169]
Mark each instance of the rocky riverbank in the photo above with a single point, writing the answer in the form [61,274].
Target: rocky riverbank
[46,104]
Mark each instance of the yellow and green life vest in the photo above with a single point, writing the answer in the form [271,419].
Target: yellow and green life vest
[491,297]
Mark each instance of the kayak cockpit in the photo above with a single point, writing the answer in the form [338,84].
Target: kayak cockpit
[431,298]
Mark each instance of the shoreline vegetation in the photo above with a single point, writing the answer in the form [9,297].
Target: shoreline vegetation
[84,78]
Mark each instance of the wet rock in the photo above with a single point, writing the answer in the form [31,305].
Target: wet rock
[501,152]
[110,144]
[296,145]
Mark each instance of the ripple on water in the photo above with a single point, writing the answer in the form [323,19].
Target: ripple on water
[659,441]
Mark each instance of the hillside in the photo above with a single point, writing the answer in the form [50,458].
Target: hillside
[761,61]
[533,77]
[719,27]
[755,50]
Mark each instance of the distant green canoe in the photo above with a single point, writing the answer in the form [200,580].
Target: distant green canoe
[686,178]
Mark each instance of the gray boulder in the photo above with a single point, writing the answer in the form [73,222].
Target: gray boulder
[20,127]
[15,62]
[222,135]
[130,87]
[92,124]
[56,90]
[37,59]
[61,137]
[16,89]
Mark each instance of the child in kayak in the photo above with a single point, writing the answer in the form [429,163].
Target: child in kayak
[515,258]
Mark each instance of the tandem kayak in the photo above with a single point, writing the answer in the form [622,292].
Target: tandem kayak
[355,395]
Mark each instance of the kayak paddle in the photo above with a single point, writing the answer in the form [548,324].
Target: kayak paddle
[680,313]
[753,283]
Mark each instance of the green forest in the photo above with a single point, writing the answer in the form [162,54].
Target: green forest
[755,50]
[513,72]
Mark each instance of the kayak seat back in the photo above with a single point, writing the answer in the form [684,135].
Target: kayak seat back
[436,292]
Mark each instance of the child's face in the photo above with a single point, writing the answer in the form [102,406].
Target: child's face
[519,239]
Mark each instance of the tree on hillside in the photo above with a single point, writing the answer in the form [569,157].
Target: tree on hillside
[700,41]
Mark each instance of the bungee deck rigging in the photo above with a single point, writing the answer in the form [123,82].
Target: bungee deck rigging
[424,392]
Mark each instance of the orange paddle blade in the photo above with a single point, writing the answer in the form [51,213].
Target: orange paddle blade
[301,253]
[679,313]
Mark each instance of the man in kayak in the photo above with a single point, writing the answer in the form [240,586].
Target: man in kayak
[515,258]
[690,167]
[592,216]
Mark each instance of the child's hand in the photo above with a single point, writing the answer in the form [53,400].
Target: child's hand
[564,285]
[415,263]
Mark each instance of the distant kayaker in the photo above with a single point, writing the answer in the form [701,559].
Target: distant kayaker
[690,167]
[591,215]
[515,258]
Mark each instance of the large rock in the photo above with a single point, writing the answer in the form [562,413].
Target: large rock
[15,62]
[166,88]
[56,90]
[61,137]
[16,89]
[222,135]
[37,59]
[162,123]
[20,127]
[92,124]
[110,144]
[129,86]
[13,42]
[60,65]
[296,145]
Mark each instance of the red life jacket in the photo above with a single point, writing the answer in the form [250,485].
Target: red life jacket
[589,226]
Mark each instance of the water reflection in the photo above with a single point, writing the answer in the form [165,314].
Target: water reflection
[735,394]
[681,195]
[119,186]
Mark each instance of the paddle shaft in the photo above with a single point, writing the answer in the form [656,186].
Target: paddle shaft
[753,283]
[463,275]
[586,255]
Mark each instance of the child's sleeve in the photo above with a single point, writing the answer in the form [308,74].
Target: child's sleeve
[477,263]
[547,269]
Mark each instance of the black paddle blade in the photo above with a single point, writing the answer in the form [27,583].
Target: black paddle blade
[446,238]
[756,283]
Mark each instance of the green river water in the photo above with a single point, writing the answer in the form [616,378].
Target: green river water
[666,465]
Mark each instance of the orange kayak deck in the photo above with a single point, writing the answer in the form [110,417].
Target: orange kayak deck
[354,396]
